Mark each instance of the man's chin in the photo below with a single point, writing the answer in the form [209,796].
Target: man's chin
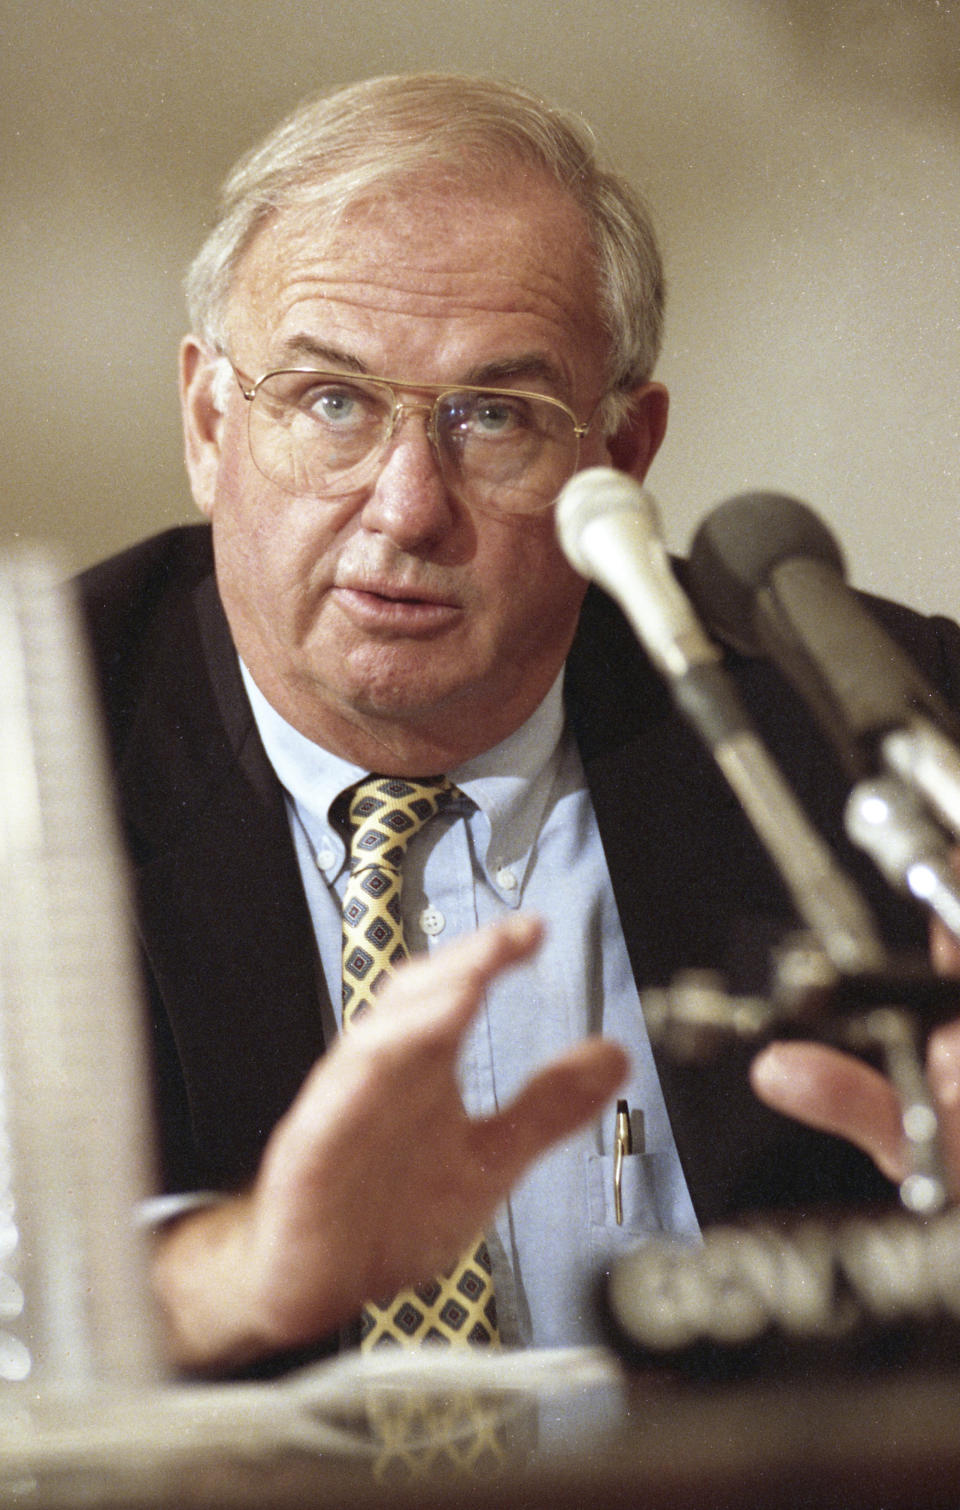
[415,703]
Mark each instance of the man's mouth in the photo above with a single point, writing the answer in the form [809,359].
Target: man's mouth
[386,605]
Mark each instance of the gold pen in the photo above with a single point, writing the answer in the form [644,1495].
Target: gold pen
[622,1145]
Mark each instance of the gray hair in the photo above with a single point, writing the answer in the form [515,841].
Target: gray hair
[344,148]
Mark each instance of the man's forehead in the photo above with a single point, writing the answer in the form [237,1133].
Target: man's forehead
[507,193]
[429,239]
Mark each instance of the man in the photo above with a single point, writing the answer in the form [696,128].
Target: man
[388,596]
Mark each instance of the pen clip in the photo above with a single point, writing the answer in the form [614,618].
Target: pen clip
[622,1145]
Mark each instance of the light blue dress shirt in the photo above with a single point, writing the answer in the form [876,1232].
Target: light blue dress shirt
[524,835]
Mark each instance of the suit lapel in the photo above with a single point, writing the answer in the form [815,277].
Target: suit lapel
[224,922]
[671,833]
[694,888]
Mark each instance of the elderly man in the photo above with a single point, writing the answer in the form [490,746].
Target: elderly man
[423,308]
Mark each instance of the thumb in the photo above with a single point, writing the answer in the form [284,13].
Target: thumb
[834,1093]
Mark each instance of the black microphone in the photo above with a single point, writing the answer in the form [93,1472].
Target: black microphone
[768,577]
[609,531]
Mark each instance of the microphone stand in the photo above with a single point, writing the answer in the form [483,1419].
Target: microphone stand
[835,980]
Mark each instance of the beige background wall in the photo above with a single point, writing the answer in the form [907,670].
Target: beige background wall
[803,157]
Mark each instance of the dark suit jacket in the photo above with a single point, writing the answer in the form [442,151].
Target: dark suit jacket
[229,959]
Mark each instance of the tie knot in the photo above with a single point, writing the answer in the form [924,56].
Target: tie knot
[386,811]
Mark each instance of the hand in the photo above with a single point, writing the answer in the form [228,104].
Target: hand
[376,1177]
[838,1093]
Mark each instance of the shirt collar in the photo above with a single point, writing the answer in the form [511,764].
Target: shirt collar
[509,784]
[309,774]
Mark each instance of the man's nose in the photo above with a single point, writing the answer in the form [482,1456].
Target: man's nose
[409,500]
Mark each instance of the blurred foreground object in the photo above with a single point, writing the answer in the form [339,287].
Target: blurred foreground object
[75,1141]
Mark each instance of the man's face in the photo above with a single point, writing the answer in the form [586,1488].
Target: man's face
[395,625]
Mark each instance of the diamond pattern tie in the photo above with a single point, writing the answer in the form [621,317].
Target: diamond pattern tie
[458,1306]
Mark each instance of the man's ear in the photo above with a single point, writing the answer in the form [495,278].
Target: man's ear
[202,411]
[637,441]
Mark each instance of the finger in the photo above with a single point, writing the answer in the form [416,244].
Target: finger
[567,1093]
[944,950]
[471,961]
[944,947]
[943,1073]
[418,1020]
[834,1093]
[444,988]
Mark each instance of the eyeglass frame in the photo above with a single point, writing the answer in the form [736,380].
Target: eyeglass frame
[400,410]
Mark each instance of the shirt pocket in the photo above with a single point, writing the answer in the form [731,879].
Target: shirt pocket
[641,1215]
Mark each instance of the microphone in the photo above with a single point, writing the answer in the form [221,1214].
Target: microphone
[768,577]
[608,529]
[889,822]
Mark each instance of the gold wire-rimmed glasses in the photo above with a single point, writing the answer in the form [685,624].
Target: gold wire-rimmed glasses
[325,433]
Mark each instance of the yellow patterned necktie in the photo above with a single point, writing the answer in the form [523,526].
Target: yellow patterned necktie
[458,1306]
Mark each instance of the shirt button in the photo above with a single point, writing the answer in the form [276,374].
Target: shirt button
[506,879]
[326,855]
[432,921]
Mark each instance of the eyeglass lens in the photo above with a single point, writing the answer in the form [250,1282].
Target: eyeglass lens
[312,432]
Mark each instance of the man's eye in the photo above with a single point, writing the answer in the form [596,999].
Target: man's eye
[491,417]
[333,406]
[496,416]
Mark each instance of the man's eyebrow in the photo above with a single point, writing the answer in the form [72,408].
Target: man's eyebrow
[301,347]
[527,366]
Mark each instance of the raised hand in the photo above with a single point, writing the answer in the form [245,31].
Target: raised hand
[376,1177]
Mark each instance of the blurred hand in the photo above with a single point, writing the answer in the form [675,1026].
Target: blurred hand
[838,1093]
[376,1177]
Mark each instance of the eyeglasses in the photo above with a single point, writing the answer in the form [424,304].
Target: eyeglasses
[325,433]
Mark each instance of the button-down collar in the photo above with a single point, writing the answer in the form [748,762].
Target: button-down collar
[508,787]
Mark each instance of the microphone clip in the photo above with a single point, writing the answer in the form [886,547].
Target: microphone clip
[695,1018]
